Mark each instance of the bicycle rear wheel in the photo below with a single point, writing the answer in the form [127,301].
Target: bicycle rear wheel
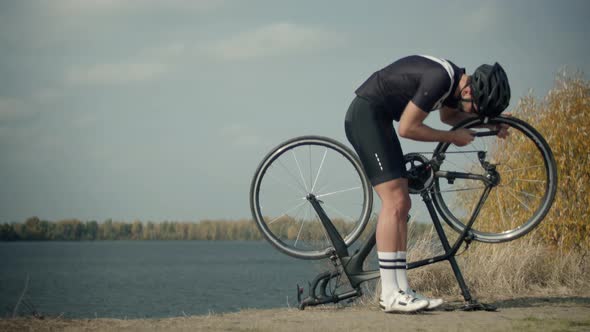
[299,167]
[523,181]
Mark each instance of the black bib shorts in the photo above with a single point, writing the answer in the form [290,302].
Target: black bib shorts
[370,131]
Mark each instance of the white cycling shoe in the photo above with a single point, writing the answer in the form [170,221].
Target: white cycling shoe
[403,302]
[432,303]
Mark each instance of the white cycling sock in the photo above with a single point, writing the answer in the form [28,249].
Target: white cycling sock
[401,274]
[387,268]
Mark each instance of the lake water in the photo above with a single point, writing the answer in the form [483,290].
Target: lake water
[138,279]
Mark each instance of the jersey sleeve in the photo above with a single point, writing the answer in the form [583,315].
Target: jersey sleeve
[432,90]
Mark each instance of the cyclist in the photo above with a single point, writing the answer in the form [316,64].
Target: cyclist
[406,91]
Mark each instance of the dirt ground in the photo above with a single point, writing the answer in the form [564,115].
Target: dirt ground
[522,314]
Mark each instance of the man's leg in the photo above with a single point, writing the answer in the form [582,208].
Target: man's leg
[395,206]
[391,240]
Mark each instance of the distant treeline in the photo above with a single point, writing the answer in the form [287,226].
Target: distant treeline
[75,230]
[34,229]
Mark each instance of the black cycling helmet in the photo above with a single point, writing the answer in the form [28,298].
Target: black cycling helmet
[490,89]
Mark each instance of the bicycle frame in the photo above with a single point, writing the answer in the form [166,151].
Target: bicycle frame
[424,177]
[352,265]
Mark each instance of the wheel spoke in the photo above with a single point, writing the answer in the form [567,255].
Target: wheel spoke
[526,193]
[310,169]
[462,189]
[521,168]
[299,168]
[286,212]
[338,212]
[319,169]
[501,209]
[473,161]
[299,233]
[338,192]
[286,184]
[535,181]
[518,199]
[291,174]
[479,143]
[461,167]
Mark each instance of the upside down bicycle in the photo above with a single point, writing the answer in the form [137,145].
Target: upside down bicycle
[311,199]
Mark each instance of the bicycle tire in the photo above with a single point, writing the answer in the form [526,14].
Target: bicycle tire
[515,210]
[272,187]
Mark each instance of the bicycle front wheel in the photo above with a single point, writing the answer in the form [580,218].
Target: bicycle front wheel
[299,167]
[520,170]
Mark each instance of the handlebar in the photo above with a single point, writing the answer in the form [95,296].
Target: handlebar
[486,133]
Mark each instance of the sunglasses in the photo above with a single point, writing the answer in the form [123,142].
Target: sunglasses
[473,106]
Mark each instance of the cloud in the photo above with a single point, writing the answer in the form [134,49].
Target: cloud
[240,135]
[93,7]
[483,18]
[272,40]
[267,41]
[12,109]
[169,52]
[115,73]
[18,120]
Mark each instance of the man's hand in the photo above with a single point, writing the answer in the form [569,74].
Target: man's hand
[503,128]
[462,137]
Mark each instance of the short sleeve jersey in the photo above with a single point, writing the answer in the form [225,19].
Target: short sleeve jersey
[427,81]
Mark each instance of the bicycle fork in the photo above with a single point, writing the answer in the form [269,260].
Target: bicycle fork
[339,254]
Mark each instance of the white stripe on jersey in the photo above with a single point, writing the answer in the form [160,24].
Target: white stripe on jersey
[451,73]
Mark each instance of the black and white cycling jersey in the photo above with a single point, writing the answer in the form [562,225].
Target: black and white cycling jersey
[425,80]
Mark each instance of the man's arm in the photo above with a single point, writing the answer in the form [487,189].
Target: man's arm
[411,126]
[453,116]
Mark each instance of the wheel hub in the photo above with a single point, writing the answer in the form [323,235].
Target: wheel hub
[493,177]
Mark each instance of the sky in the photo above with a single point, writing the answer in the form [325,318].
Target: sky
[162,110]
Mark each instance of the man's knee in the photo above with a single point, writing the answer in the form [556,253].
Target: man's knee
[399,205]
[395,198]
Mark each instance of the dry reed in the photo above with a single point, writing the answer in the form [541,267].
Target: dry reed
[521,268]
[524,267]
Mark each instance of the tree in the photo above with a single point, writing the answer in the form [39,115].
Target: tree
[136,230]
[7,233]
[32,229]
[91,230]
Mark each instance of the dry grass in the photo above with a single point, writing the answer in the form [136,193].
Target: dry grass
[563,118]
[524,267]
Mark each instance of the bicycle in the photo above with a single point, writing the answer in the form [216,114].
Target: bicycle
[296,187]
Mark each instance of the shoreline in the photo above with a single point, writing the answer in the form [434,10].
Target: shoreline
[571,313]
